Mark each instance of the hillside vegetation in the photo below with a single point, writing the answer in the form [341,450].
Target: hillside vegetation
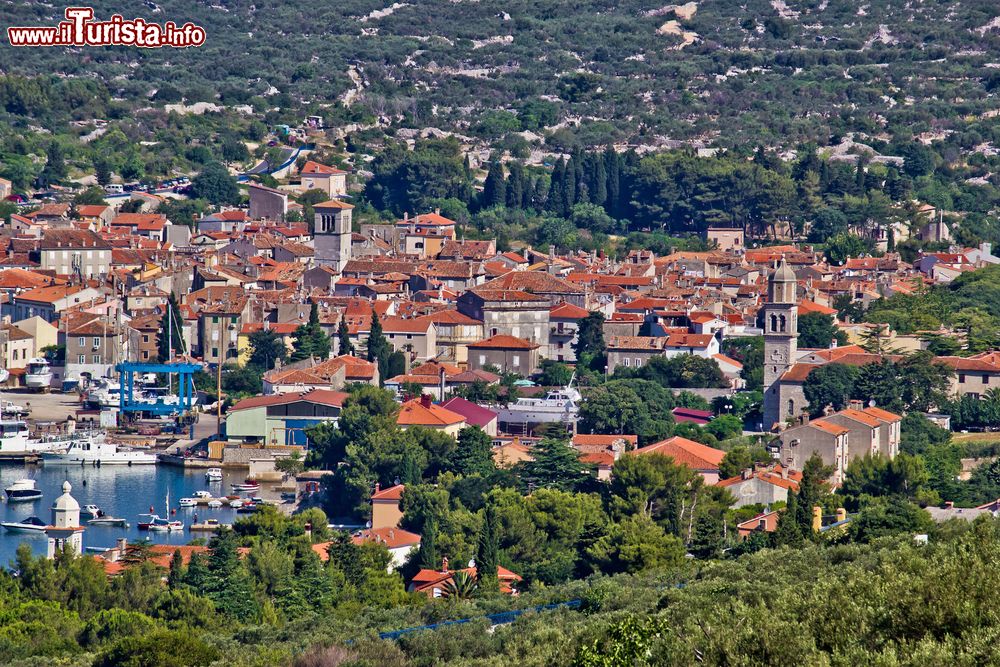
[634,70]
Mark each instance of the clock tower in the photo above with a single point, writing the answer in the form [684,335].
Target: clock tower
[781,331]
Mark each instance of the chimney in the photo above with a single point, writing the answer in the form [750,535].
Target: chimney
[441,376]
[308,530]
[378,487]
[406,216]
[841,514]
[817,521]
[425,400]
[949,505]
[855,404]
[747,473]
[804,418]
[444,563]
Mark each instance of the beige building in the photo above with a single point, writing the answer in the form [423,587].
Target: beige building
[762,487]
[18,346]
[267,203]
[386,512]
[75,252]
[829,440]
[44,334]
[416,337]
[726,239]
[508,312]
[509,354]
[316,176]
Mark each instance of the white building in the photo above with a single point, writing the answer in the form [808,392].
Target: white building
[65,530]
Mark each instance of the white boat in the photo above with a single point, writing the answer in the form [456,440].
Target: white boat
[203,495]
[38,374]
[22,491]
[215,504]
[213,474]
[108,521]
[247,485]
[236,504]
[104,393]
[97,451]
[188,502]
[15,439]
[164,525]
[558,406]
[30,525]
[91,511]
[4,374]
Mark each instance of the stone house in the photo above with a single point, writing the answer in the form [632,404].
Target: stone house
[508,353]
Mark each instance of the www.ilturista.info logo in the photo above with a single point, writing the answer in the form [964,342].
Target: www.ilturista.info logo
[80,29]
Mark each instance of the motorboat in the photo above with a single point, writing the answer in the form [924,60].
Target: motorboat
[247,508]
[92,511]
[103,393]
[38,374]
[105,520]
[558,406]
[203,495]
[4,375]
[23,491]
[97,451]
[215,504]
[165,525]
[213,474]
[188,502]
[30,525]
[247,485]
[206,526]
[146,520]
[236,504]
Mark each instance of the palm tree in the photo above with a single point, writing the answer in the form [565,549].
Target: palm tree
[462,586]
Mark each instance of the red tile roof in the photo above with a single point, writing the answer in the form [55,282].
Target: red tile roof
[686,452]
[504,342]
[320,396]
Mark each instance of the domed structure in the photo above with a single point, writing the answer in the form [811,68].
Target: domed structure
[65,530]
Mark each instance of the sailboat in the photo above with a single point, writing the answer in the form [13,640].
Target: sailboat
[165,525]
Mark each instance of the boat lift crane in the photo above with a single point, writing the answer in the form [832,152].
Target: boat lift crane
[185,387]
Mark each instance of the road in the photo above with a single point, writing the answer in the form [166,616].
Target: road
[54,407]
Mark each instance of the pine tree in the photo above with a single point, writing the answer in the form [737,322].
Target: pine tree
[345,346]
[429,558]
[310,339]
[515,186]
[488,550]
[474,453]
[789,532]
[494,189]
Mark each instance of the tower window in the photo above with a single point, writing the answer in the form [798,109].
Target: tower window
[791,407]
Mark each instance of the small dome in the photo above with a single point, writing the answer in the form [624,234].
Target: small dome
[784,273]
[66,502]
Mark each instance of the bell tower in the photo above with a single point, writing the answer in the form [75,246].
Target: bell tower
[332,234]
[781,331]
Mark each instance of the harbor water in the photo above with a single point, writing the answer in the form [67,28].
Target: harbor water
[120,491]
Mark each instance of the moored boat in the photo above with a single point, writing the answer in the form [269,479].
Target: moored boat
[96,451]
[188,502]
[206,526]
[30,525]
[213,474]
[108,521]
[22,491]
[247,485]
[38,374]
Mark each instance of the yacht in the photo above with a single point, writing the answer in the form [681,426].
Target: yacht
[188,502]
[30,525]
[558,406]
[92,511]
[15,439]
[98,452]
[22,491]
[203,495]
[165,525]
[38,374]
[213,474]
[103,393]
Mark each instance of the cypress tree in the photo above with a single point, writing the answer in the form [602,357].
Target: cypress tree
[494,190]
[429,559]
[612,165]
[599,189]
[344,346]
[488,550]
[378,347]
[556,201]
[515,186]
[569,188]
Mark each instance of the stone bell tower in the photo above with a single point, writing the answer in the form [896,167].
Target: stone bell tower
[332,234]
[781,331]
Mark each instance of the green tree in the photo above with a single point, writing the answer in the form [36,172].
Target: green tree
[555,374]
[634,544]
[555,465]
[266,348]
[830,384]
[310,340]
[494,189]
[428,557]
[378,347]
[474,453]
[169,336]
[590,348]
[164,648]
[818,330]
[216,185]
[344,344]
[488,550]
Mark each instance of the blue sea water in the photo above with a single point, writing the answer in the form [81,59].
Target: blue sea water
[120,491]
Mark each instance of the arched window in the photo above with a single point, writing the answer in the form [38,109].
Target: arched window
[781,319]
[774,323]
[791,407]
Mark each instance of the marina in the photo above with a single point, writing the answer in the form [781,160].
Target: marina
[122,494]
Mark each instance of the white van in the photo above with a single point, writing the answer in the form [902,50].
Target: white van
[114,189]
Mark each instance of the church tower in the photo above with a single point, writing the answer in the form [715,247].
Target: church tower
[332,234]
[781,331]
